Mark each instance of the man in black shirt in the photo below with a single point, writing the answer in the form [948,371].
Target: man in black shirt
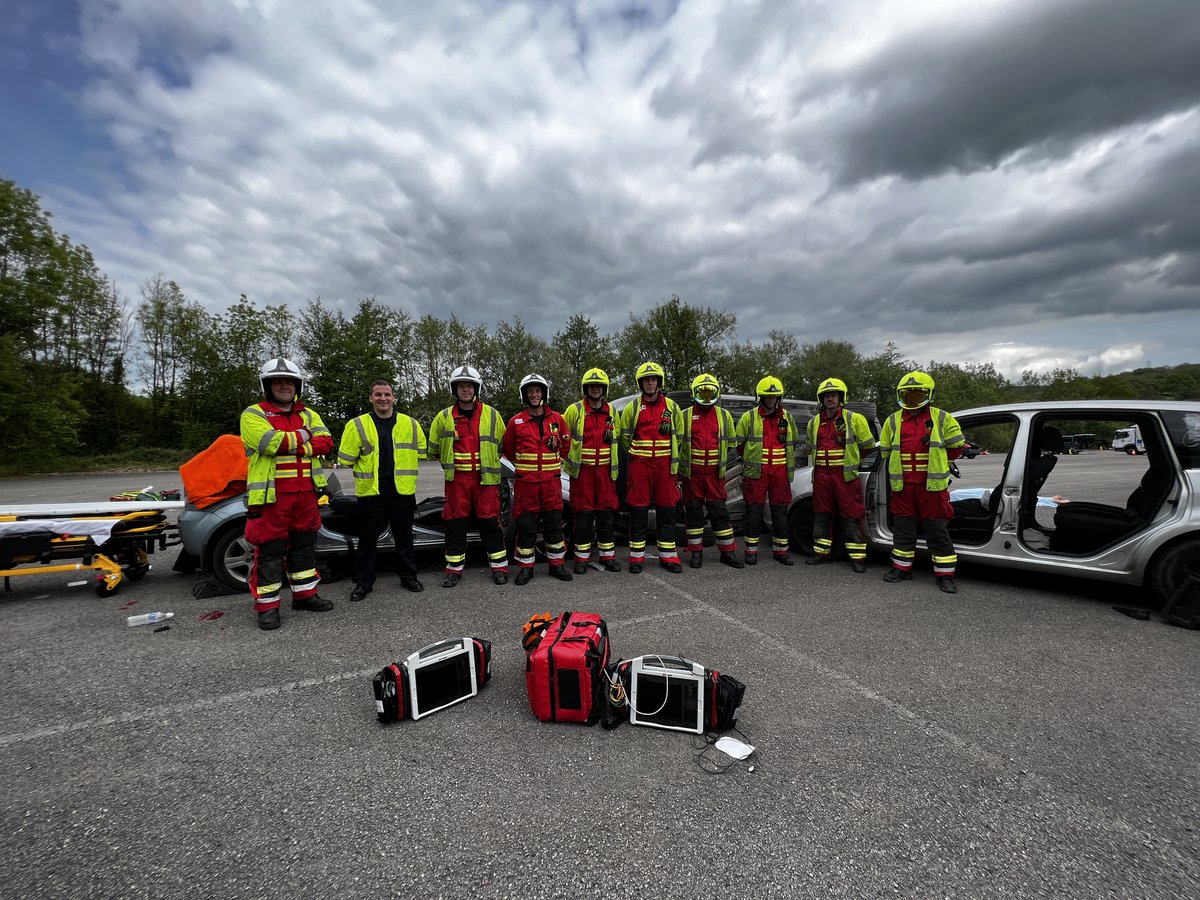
[383,447]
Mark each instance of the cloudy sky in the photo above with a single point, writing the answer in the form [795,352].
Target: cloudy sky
[1015,181]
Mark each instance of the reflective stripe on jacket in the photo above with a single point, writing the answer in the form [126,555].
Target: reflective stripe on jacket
[726,441]
[263,441]
[582,451]
[945,433]
[649,447]
[491,432]
[750,441]
[359,449]
[848,455]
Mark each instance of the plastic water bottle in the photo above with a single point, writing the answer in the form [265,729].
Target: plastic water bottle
[149,618]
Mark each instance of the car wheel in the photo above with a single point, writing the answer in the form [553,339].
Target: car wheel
[800,527]
[1170,568]
[232,557]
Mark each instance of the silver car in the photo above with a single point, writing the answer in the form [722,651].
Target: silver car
[214,540]
[1092,513]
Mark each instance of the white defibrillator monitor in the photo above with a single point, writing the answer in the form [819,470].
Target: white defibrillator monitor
[667,692]
[441,675]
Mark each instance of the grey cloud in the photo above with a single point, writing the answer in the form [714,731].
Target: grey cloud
[1047,76]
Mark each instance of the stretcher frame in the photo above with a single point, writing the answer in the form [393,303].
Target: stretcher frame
[37,539]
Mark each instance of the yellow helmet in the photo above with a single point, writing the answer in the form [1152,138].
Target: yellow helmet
[833,385]
[594,376]
[650,368]
[709,385]
[770,386]
[915,381]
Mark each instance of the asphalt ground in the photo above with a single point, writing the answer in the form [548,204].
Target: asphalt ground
[1018,739]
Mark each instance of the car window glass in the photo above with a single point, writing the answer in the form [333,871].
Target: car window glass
[1184,429]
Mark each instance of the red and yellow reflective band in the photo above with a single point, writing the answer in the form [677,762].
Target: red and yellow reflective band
[830,457]
[597,456]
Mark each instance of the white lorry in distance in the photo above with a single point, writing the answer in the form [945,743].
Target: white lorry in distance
[1129,440]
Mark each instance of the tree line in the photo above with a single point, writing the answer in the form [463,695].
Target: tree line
[90,376]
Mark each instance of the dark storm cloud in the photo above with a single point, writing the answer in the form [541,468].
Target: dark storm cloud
[1036,83]
[1152,221]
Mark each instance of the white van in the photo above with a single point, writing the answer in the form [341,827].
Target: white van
[1129,440]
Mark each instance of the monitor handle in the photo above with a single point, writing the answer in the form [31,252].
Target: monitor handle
[440,646]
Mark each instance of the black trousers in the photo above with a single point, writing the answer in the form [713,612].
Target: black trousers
[394,511]
[604,521]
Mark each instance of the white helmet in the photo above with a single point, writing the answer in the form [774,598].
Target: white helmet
[279,367]
[534,378]
[466,373]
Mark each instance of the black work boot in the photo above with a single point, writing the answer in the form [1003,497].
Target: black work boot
[697,559]
[730,559]
[315,603]
[524,576]
[451,579]
[751,559]
[783,559]
[268,619]
[635,568]
[816,559]
[893,575]
[673,567]
[499,577]
[612,565]
[412,583]
[858,566]
[359,593]
[946,585]
[561,573]
[581,568]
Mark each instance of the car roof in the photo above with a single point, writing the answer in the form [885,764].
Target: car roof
[1083,406]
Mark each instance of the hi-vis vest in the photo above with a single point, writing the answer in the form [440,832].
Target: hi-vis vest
[936,464]
[262,442]
[726,440]
[491,432]
[575,416]
[657,446]
[360,450]
[750,436]
[848,455]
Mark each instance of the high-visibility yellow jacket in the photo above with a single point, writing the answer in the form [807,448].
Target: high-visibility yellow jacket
[491,432]
[946,432]
[726,438]
[575,416]
[629,421]
[848,456]
[359,449]
[750,442]
[262,442]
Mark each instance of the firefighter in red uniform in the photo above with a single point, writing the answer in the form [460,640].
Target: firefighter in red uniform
[919,442]
[705,453]
[837,439]
[767,440]
[283,439]
[466,439]
[535,442]
[593,465]
[650,430]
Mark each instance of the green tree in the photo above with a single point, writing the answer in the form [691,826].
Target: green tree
[685,340]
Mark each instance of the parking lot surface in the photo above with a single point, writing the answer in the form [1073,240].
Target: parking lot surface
[1019,739]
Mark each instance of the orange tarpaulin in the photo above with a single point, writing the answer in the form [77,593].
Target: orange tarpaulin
[216,472]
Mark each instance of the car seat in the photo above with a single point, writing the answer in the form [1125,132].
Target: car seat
[974,520]
[1083,527]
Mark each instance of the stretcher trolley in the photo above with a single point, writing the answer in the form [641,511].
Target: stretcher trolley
[112,539]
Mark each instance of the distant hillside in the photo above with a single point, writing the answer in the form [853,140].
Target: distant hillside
[1180,382]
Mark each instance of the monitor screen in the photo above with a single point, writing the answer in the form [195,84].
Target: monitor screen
[667,702]
[442,683]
